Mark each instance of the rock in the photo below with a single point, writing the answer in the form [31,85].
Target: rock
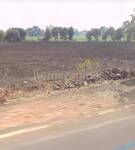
[85,83]
[55,87]
[91,79]
[114,74]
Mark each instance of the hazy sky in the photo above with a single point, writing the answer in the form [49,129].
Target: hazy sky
[82,14]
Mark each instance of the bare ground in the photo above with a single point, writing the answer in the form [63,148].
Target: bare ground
[18,61]
[65,105]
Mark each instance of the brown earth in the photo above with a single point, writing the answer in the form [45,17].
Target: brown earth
[21,60]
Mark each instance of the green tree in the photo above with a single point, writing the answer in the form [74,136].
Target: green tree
[130,29]
[34,31]
[118,34]
[12,35]
[104,33]
[71,33]
[96,33]
[55,33]
[21,32]
[131,32]
[89,35]
[1,36]
[47,34]
[105,36]
[63,33]
[60,32]
[111,33]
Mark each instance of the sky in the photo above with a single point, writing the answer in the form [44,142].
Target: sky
[81,14]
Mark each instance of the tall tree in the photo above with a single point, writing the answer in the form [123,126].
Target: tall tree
[63,32]
[96,33]
[55,32]
[34,31]
[60,32]
[12,35]
[111,33]
[130,30]
[103,32]
[71,33]
[89,35]
[47,35]
[22,33]
[118,34]
[1,36]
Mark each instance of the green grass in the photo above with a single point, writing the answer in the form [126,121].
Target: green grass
[33,38]
[77,38]
[80,37]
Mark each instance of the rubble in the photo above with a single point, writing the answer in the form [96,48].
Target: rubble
[3,96]
[114,74]
[107,74]
[90,79]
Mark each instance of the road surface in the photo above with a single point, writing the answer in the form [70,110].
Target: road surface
[115,134]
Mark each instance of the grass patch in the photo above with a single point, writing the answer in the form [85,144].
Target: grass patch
[80,37]
[33,38]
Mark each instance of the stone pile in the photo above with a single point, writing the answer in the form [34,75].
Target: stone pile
[114,74]
[107,74]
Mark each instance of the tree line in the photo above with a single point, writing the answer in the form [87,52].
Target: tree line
[59,33]
[105,34]
[124,33]
[51,33]
[13,35]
